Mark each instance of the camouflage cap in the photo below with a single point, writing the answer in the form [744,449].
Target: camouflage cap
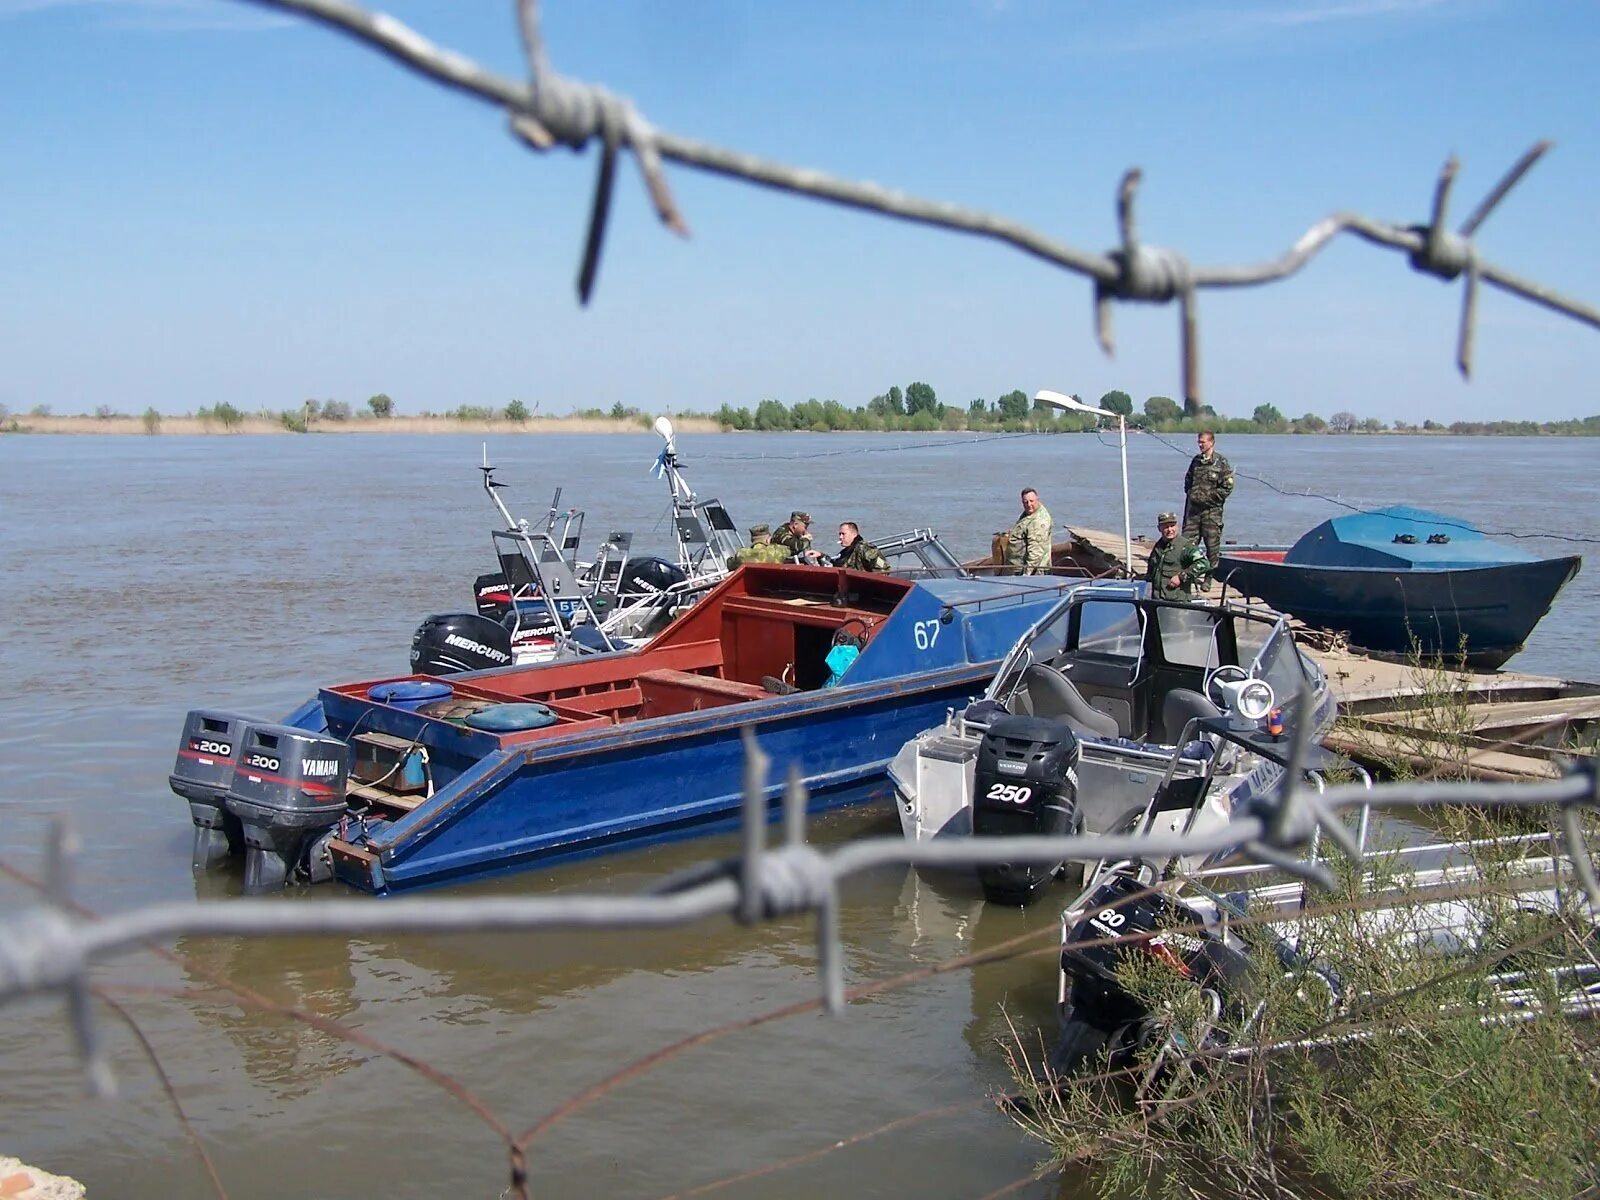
[1167,518]
[760,531]
[803,517]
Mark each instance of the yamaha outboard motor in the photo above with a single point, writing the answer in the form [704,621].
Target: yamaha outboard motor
[454,642]
[1025,783]
[288,786]
[1126,917]
[202,776]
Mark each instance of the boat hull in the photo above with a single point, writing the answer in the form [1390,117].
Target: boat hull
[632,786]
[1489,611]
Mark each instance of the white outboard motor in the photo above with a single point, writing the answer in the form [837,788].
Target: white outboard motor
[1025,783]
[288,786]
[202,775]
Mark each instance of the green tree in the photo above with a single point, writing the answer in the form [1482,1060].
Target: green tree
[1268,416]
[1117,402]
[152,420]
[516,411]
[1342,422]
[733,418]
[1163,408]
[772,414]
[335,410]
[1014,406]
[977,413]
[1376,425]
[619,411]
[920,398]
[381,405]
[1311,423]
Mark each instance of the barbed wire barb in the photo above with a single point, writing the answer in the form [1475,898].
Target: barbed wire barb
[551,110]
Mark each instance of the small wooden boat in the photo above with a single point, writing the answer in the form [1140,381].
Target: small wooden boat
[390,784]
[1401,577]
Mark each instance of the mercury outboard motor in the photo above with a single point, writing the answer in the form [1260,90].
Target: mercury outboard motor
[454,642]
[1025,783]
[288,786]
[202,776]
[492,595]
[1125,917]
[648,576]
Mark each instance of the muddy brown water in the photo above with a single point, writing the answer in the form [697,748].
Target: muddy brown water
[145,576]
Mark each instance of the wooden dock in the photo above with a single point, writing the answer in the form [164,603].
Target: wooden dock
[1513,725]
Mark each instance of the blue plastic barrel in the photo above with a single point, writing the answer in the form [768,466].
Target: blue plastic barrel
[511,718]
[410,694]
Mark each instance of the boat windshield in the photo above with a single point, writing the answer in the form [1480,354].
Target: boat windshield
[1279,662]
[920,554]
[1109,626]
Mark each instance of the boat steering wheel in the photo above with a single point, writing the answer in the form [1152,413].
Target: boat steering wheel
[1228,673]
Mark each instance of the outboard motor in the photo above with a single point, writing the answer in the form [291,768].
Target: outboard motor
[648,576]
[454,642]
[288,786]
[492,595]
[202,776]
[1125,917]
[1025,783]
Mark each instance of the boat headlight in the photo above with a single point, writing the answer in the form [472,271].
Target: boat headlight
[1248,699]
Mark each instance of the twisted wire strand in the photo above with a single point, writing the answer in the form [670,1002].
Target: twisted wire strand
[550,109]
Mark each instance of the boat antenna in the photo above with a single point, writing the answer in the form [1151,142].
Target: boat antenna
[491,485]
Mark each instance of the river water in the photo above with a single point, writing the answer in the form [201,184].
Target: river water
[145,576]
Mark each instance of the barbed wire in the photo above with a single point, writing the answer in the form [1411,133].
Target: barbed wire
[549,110]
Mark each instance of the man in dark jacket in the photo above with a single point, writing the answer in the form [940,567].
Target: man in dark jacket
[856,553]
[1176,564]
[1206,489]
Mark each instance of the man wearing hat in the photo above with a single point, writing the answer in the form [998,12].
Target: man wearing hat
[760,549]
[795,537]
[1176,564]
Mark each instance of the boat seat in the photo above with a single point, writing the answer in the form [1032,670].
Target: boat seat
[1052,694]
[1179,706]
[731,688]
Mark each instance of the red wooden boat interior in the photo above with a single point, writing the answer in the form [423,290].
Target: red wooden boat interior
[1274,556]
[776,621]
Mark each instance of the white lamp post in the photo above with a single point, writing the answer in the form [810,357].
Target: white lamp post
[1057,400]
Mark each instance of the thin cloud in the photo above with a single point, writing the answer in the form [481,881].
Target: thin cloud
[156,16]
[1236,25]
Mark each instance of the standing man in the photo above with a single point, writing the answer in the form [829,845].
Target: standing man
[1176,564]
[760,549]
[1206,489]
[795,536]
[856,553]
[1029,547]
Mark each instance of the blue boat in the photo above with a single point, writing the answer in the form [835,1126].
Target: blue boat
[391,784]
[1401,577]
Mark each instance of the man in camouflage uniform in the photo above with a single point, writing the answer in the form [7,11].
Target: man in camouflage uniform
[1029,538]
[760,549]
[1176,564]
[795,536]
[856,553]
[1206,489]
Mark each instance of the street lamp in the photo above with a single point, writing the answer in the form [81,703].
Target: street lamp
[1072,404]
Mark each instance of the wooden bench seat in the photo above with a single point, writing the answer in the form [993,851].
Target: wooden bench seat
[730,688]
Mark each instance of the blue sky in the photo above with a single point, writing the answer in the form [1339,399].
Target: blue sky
[203,200]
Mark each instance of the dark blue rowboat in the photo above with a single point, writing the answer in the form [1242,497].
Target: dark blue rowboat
[1402,576]
[393,784]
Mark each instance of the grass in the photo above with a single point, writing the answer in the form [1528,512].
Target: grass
[1420,1082]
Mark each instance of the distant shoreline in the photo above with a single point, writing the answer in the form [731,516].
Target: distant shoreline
[253,426]
[257,425]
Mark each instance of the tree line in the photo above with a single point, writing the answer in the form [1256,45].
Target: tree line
[916,408]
